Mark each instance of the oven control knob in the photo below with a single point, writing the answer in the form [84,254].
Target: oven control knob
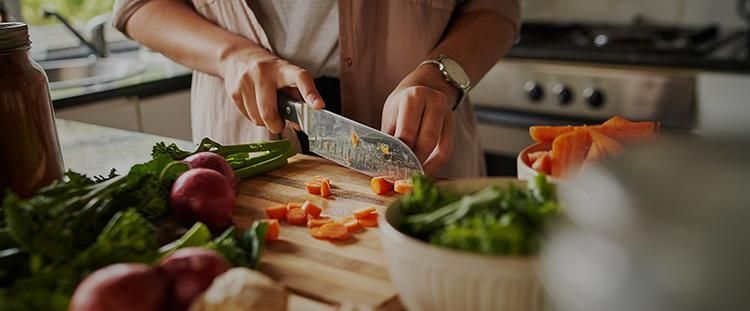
[563,93]
[534,91]
[594,97]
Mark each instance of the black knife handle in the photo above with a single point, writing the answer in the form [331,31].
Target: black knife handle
[288,107]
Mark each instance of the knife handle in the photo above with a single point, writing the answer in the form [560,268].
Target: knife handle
[288,107]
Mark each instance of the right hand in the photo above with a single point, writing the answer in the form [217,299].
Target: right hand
[252,76]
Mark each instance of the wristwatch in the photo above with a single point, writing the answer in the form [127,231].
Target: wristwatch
[454,74]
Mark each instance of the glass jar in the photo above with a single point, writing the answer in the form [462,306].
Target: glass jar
[29,149]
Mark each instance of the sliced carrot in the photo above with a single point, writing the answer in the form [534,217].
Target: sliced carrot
[273,229]
[312,209]
[402,186]
[317,233]
[293,205]
[602,145]
[317,222]
[543,164]
[370,220]
[325,188]
[533,156]
[335,231]
[352,225]
[569,151]
[313,187]
[548,134]
[380,185]
[276,212]
[363,212]
[297,216]
[625,130]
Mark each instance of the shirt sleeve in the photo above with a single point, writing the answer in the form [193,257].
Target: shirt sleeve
[123,10]
[508,9]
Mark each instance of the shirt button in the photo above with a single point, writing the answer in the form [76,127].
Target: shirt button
[348,61]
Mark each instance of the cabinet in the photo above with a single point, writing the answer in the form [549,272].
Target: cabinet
[165,115]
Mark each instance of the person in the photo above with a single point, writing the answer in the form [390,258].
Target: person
[377,61]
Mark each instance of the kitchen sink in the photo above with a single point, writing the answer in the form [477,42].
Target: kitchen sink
[89,71]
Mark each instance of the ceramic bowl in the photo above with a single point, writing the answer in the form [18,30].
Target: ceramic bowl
[525,172]
[433,278]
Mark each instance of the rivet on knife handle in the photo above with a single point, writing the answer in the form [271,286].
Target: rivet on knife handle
[288,107]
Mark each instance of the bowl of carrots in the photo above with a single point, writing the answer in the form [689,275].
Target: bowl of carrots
[560,151]
[466,244]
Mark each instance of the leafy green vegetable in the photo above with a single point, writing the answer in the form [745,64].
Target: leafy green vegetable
[490,221]
[197,235]
[245,250]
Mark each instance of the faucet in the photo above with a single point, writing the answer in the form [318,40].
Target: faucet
[10,11]
[96,26]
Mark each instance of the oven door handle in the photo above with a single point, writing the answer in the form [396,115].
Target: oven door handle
[490,116]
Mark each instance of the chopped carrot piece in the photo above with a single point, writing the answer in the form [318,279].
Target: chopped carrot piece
[402,186]
[335,231]
[317,222]
[319,178]
[313,187]
[569,151]
[380,185]
[297,216]
[312,209]
[352,225]
[602,145]
[370,220]
[273,229]
[276,212]
[543,164]
[325,188]
[533,156]
[293,205]
[363,212]
[624,130]
[317,233]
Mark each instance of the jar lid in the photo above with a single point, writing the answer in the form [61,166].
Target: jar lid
[14,36]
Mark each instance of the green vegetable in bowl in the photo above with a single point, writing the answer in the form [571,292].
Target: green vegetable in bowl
[490,221]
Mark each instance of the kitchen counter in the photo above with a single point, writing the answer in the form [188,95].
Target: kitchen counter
[94,150]
[161,76]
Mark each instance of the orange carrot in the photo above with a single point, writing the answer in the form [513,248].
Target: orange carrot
[313,187]
[325,188]
[293,205]
[402,186]
[380,185]
[312,209]
[543,164]
[317,233]
[533,156]
[569,151]
[370,220]
[363,212]
[602,145]
[317,222]
[273,229]
[335,231]
[297,216]
[276,212]
[351,224]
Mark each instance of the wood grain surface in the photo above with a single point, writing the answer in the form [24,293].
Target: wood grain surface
[322,275]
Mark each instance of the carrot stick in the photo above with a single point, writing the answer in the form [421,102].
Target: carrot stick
[380,185]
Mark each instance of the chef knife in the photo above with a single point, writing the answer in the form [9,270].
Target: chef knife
[350,143]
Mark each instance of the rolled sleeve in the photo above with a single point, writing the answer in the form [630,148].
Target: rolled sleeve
[508,9]
[123,10]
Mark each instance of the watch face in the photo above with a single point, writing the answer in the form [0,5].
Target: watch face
[456,72]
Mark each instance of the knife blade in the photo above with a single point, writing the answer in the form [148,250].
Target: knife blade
[349,143]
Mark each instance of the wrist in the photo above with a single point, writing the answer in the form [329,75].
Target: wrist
[230,55]
[429,75]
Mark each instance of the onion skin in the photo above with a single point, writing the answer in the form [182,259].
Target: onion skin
[214,162]
[203,195]
[190,272]
[122,287]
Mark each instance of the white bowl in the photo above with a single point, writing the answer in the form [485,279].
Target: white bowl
[524,171]
[429,277]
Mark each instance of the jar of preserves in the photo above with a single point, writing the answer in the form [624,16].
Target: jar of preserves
[29,148]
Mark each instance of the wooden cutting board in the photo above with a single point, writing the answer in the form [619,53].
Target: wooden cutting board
[340,275]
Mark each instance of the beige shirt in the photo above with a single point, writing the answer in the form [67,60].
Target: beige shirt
[380,42]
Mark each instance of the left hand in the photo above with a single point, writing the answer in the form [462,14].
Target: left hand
[419,113]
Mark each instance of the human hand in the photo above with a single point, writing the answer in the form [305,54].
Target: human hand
[252,76]
[419,113]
